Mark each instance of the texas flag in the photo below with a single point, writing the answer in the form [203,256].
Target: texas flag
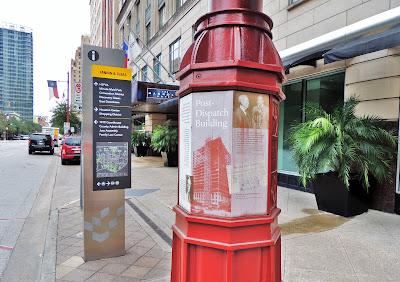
[52,89]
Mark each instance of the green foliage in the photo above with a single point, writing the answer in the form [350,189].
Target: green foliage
[344,143]
[60,116]
[165,138]
[140,138]
[17,127]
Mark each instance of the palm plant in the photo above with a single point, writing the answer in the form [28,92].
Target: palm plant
[165,138]
[140,138]
[351,146]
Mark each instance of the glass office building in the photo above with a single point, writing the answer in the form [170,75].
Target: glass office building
[16,71]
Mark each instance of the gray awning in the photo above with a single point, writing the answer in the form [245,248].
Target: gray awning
[169,103]
[309,60]
[383,40]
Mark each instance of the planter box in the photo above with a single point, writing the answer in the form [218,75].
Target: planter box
[333,196]
[170,159]
[141,151]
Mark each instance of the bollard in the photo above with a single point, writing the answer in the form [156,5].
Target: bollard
[226,226]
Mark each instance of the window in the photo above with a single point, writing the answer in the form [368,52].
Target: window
[148,33]
[179,3]
[326,91]
[175,55]
[138,19]
[293,1]
[144,74]
[157,68]
[161,16]
[147,15]
[134,78]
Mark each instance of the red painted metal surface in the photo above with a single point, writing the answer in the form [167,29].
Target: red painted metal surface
[214,249]
[233,50]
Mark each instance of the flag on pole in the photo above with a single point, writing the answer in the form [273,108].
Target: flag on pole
[52,89]
[133,48]
[125,47]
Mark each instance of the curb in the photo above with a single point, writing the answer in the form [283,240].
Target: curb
[27,258]
[48,272]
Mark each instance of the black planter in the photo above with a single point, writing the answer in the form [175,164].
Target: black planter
[141,151]
[170,159]
[333,196]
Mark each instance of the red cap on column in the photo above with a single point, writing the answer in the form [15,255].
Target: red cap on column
[217,5]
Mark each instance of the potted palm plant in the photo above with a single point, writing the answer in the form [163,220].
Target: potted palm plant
[164,139]
[140,143]
[341,153]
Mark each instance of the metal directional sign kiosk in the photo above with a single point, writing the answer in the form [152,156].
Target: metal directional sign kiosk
[112,127]
[106,159]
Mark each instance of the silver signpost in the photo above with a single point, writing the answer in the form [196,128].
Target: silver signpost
[106,159]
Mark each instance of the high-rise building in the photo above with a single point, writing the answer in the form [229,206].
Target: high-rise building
[211,192]
[76,72]
[103,27]
[16,70]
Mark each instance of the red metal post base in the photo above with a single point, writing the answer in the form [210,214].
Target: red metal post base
[226,249]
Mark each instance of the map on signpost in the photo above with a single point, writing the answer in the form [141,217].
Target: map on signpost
[112,159]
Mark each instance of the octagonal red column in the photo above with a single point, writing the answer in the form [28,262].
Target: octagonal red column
[231,77]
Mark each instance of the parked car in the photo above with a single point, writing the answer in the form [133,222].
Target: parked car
[41,142]
[71,149]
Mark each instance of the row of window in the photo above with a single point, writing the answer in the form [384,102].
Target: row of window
[162,16]
[174,63]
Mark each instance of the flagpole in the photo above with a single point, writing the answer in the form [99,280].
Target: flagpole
[68,98]
[155,57]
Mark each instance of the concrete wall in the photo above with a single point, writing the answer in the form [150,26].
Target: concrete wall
[374,77]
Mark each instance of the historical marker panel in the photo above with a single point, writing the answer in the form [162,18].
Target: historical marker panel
[112,127]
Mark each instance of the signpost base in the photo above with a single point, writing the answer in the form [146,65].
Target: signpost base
[226,249]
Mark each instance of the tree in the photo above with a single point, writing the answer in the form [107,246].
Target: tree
[60,116]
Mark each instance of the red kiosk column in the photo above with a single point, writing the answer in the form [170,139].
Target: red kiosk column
[231,79]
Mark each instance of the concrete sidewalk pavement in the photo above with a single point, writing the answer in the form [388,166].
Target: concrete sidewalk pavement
[316,246]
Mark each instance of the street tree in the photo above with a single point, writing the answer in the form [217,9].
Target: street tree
[60,116]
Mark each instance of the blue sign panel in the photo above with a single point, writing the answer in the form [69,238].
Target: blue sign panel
[160,93]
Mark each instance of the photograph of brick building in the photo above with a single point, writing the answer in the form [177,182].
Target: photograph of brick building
[210,177]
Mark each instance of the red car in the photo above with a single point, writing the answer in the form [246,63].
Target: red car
[71,149]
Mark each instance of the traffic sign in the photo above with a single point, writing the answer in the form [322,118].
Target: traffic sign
[78,96]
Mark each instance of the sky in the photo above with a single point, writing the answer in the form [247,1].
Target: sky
[57,27]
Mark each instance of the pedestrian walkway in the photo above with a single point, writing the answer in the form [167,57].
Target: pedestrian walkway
[316,246]
[144,259]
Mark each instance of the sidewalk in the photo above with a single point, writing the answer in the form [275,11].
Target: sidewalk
[316,246]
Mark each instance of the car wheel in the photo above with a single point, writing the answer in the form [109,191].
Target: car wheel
[30,152]
[63,162]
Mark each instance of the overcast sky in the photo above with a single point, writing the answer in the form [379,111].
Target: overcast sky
[57,26]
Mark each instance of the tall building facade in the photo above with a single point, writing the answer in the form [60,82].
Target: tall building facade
[303,31]
[103,28]
[16,70]
[76,71]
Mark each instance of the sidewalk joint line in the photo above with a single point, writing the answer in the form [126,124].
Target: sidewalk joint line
[151,223]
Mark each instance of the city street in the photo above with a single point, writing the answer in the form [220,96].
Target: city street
[21,177]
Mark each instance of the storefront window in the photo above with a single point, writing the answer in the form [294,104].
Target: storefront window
[327,91]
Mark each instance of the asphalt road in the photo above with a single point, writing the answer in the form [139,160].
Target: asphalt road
[21,175]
